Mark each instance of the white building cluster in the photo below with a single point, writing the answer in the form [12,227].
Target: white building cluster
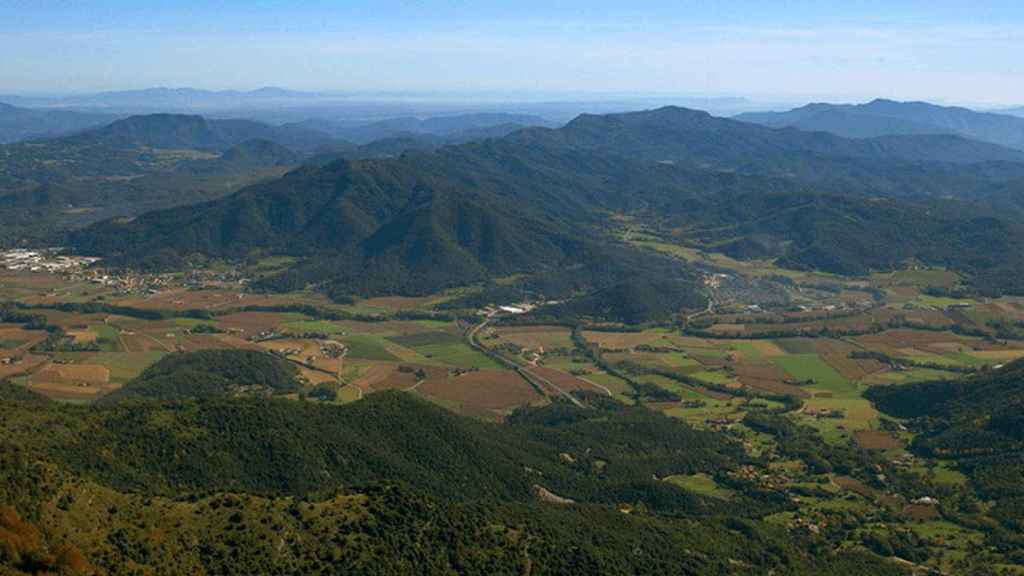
[44,260]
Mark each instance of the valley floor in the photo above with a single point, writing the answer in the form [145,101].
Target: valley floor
[770,342]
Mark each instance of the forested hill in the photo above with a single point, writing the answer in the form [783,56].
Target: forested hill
[538,199]
[411,225]
[183,132]
[978,422]
[211,373]
[136,165]
[134,147]
[388,485]
[149,162]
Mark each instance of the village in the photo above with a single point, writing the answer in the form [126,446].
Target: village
[44,260]
[85,269]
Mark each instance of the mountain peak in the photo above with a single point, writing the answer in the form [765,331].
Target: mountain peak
[665,116]
[161,122]
[672,112]
[158,118]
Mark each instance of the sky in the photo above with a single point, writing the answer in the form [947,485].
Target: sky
[850,50]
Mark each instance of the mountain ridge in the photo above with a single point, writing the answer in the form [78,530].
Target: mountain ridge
[19,124]
[881,117]
[448,129]
[395,225]
[183,131]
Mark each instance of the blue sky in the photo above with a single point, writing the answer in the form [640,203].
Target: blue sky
[940,50]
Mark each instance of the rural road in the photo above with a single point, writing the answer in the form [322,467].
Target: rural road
[708,310]
[596,385]
[529,376]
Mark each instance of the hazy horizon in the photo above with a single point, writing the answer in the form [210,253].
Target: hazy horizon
[942,51]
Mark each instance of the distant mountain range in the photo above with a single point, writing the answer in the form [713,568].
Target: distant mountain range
[176,131]
[138,164]
[537,202]
[27,124]
[700,139]
[422,211]
[886,117]
[445,129]
[155,161]
[168,99]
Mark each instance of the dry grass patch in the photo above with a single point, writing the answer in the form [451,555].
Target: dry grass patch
[1003,355]
[774,387]
[72,374]
[767,348]
[851,368]
[624,340]
[858,487]
[488,393]
[535,337]
[252,323]
[384,377]
[767,378]
[27,363]
[315,376]
[921,512]
[71,392]
[729,328]
[402,302]
[83,336]
[566,381]
[877,440]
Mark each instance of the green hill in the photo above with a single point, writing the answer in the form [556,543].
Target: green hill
[977,422]
[405,226]
[259,152]
[184,132]
[390,484]
[211,373]
[297,448]
[633,301]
